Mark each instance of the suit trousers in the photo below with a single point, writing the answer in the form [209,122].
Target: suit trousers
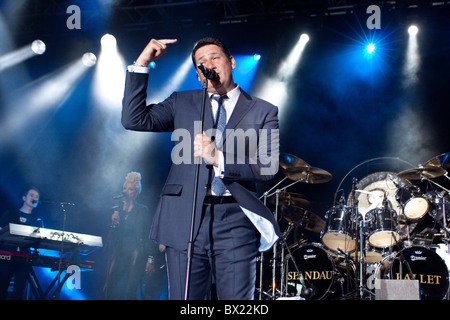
[224,252]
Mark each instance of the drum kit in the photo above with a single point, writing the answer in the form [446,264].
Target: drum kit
[387,228]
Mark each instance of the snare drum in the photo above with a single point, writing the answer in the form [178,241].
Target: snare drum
[382,227]
[415,206]
[339,230]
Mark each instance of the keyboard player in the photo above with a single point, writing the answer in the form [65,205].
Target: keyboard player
[24,215]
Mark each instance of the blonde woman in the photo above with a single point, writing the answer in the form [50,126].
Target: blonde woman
[131,253]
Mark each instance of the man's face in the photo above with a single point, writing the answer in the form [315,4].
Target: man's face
[212,57]
[376,197]
[31,199]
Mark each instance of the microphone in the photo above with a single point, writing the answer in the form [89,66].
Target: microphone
[307,292]
[394,181]
[385,200]
[119,196]
[208,73]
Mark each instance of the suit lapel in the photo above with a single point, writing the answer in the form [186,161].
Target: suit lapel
[243,106]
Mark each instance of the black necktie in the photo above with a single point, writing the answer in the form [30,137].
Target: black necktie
[217,186]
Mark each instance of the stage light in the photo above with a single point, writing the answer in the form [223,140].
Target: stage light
[152,65]
[246,67]
[89,59]
[108,41]
[412,58]
[304,38]
[174,83]
[413,30]
[49,92]
[370,48]
[109,77]
[276,89]
[37,47]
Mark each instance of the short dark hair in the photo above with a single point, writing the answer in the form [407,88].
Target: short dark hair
[206,41]
[31,188]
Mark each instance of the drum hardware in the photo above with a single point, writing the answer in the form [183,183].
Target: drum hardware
[414,206]
[292,207]
[442,161]
[290,161]
[359,241]
[307,290]
[373,240]
[420,263]
[295,209]
[308,174]
[422,172]
[444,209]
[286,161]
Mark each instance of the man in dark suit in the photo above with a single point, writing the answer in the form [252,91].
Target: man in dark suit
[230,223]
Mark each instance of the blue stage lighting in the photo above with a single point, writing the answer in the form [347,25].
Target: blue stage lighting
[152,65]
[370,48]
[256,57]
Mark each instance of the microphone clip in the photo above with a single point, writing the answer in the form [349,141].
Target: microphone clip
[209,74]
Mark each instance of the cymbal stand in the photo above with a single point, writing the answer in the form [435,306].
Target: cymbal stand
[306,289]
[274,251]
[359,240]
[266,195]
[444,217]
[284,246]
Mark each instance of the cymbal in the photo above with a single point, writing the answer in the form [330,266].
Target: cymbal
[289,161]
[419,173]
[302,218]
[442,161]
[290,199]
[313,175]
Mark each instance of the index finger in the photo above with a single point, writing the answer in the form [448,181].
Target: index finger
[168,41]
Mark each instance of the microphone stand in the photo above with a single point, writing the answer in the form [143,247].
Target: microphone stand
[195,192]
[61,250]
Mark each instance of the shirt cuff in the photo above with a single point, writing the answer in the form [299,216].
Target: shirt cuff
[137,69]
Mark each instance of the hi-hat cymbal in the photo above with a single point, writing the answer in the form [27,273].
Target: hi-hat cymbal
[419,173]
[303,218]
[309,174]
[294,208]
[442,161]
[290,199]
[289,161]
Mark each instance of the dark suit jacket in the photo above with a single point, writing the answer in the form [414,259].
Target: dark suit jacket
[181,113]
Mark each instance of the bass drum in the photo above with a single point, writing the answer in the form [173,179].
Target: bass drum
[421,264]
[310,272]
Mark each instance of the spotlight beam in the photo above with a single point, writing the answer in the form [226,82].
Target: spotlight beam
[412,61]
[275,89]
[10,59]
[38,97]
